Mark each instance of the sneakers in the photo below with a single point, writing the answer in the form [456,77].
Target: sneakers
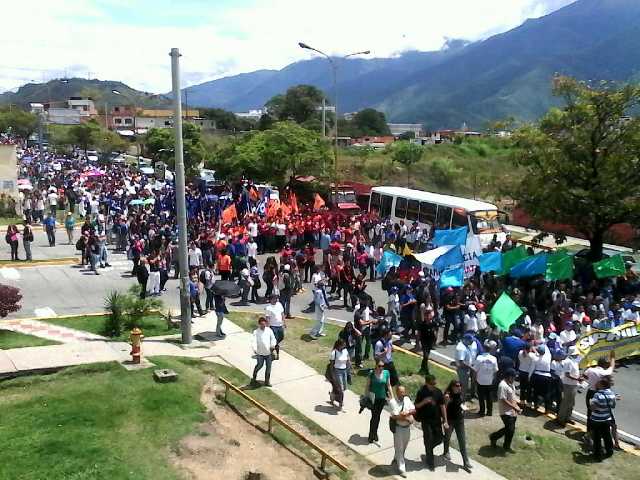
[447,456]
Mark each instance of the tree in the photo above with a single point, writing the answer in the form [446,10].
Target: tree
[407,154]
[9,300]
[20,123]
[226,120]
[84,134]
[160,144]
[371,122]
[107,141]
[273,155]
[299,103]
[580,161]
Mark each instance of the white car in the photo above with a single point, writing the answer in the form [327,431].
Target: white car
[92,155]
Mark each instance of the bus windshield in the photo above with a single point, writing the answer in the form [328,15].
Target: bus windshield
[485,222]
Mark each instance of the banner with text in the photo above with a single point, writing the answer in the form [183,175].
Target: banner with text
[624,340]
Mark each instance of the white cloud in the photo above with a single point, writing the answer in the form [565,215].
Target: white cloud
[46,38]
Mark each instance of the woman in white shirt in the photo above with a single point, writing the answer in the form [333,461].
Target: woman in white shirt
[340,364]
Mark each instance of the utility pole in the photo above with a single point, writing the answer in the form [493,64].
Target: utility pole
[324,117]
[185,300]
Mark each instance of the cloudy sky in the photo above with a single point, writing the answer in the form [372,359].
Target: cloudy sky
[130,40]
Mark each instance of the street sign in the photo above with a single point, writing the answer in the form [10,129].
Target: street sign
[160,169]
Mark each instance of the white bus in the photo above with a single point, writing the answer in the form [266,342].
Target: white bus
[442,211]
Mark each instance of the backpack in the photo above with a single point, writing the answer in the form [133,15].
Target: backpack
[203,277]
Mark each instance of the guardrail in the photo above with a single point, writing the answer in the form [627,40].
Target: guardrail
[324,455]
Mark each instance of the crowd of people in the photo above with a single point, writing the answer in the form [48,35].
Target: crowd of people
[336,256]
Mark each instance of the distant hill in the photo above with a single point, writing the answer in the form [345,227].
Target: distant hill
[506,75]
[100,90]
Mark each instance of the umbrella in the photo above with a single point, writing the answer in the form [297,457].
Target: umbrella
[149,201]
[23,181]
[25,187]
[136,201]
[226,288]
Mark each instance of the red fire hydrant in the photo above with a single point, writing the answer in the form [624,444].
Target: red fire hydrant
[136,344]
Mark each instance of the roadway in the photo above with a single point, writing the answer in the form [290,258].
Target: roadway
[69,289]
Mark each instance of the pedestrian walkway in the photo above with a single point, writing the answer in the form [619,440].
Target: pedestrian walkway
[294,381]
[48,331]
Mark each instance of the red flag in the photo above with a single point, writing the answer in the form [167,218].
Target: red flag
[254,195]
[229,214]
[318,202]
[293,200]
[272,208]
[286,210]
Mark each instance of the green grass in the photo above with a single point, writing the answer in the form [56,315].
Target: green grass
[152,325]
[9,339]
[10,221]
[315,353]
[555,456]
[102,422]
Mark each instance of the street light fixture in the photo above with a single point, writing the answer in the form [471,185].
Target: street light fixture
[334,69]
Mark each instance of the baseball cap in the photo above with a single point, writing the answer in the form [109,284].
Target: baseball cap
[287,267]
[572,351]
[472,308]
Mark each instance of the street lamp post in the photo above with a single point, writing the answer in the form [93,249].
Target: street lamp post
[334,70]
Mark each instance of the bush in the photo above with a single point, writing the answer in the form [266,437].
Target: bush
[115,304]
[9,300]
[443,171]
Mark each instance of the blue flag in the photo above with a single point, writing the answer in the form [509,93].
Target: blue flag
[453,236]
[388,260]
[453,277]
[530,266]
[452,257]
[490,262]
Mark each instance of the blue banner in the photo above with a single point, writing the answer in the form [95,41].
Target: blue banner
[490,262]
[454,236]
[453,277]
[388,260]
[535,265]
[452,257]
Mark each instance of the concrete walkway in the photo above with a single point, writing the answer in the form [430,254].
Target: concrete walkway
[48,331]
[297,383]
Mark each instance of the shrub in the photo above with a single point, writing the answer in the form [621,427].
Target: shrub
[9,300]
[115,304]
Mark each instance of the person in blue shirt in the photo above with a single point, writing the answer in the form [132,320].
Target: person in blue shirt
[194,292]
[512,344]
[407,307]
[50,227]
[602,405]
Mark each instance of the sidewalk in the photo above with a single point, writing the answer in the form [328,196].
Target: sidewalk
[297,383]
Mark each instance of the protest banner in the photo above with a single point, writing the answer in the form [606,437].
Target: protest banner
[624,340]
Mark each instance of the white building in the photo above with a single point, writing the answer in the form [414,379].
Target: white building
[400,128]
[251,114]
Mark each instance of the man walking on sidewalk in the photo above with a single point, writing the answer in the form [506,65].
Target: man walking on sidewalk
[263,343]
[509,410]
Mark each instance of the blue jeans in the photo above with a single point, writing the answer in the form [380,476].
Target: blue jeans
[262,360]
[341,376]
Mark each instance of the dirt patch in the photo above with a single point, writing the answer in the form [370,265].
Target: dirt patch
[229,448]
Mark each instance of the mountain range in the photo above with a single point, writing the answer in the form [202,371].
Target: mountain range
[506,75]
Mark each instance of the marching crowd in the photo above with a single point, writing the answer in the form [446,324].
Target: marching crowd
[336,257]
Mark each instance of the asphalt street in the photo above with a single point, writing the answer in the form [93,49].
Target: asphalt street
[50,290]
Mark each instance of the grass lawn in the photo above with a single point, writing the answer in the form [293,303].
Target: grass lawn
[73,424]
[152,325]
[10,221]
[9,339]
[552,455]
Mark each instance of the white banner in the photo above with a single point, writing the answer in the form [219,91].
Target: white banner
[471,253]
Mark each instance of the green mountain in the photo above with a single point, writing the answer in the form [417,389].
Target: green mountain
[506,75]
[100,90]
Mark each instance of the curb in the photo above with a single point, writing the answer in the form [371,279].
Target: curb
[37,263]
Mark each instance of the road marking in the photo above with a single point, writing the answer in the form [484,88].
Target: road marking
[10,273]
[44,312]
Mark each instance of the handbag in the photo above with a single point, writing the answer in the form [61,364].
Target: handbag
[392,424]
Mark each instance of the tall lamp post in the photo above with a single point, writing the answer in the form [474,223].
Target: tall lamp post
[334,70]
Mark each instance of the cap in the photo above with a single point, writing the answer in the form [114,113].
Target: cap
[509,372]
[472,308]
[287,267]
[468,337]
[490,344]
[421,273]
[541,349]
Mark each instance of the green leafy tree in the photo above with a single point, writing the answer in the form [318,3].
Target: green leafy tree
[107,141]
[443,172]
[20,123]
[371,122]
[226,120]
[300,103]
[84,134]
[273,155]
[407,154]
[160,144]
[580,161]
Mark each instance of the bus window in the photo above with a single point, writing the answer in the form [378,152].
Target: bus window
[459,218]
[374,203]
[385,207]
[427,213]
[401,208]
[413,209]
[444,217]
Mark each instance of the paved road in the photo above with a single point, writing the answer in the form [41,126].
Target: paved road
[69,289]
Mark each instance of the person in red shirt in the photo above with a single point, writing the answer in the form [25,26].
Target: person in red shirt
[224,265]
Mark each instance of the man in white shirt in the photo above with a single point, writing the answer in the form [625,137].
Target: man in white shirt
[541,378]
[195,256]
[466,351]
[402,411]
[253,229]
[509,410]
[593,375]
[570,376]
[274,312]
[471,320]
[263,343]
[252,248]
[485,367]
[567,336]
[52,199]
